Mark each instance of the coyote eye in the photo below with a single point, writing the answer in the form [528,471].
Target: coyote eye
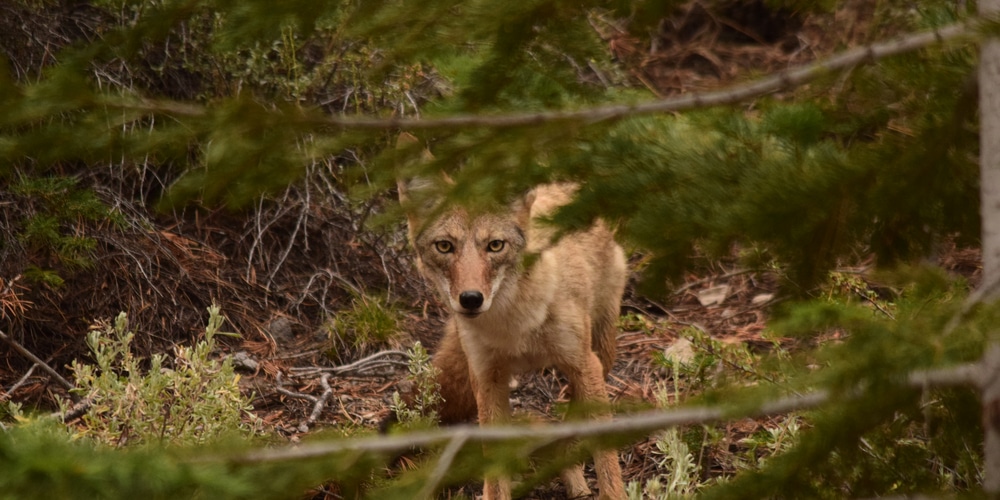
[443,246]
[495,245]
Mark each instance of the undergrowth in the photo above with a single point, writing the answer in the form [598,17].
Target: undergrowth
[861,332]
[190,397]
[420,410]
[371,322]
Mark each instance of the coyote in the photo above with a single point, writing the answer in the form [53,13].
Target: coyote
[520,301]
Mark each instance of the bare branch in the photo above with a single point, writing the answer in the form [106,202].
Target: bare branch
[367,364]
[38,361]
[318,402]
[74,412]
[954,376]
[443,464]
[639,423]
[17,385]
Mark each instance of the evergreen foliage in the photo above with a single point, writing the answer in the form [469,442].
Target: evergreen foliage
[876,437]
[229,99]
[49,229]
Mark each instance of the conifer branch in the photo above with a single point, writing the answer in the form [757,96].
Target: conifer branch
[786,79]
[635,424]
[444,463]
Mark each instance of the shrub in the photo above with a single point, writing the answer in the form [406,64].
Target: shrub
[426,392]
[190,398]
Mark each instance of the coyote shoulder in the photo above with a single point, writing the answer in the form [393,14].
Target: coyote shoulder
[520,301]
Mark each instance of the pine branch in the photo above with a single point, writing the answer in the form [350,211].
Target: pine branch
[778,81]
[639,423]
[443,465]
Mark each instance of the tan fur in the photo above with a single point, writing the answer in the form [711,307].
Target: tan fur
[557,307]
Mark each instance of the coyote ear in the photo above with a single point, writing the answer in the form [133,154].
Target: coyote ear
[414,214]
[407,140]
[403,141]
[522,208]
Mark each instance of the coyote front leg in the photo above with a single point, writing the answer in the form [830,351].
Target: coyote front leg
[492,390]
[588,389]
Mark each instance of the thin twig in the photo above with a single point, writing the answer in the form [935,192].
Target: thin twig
[324,382]
[38,361]
[318,402]
[24,378]
[986,291]
[300,223]
[377,360]
[639,423]
[709,279]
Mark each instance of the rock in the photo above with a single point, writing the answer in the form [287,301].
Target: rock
[713,296]
[281,330]
[243,360]
[680,352]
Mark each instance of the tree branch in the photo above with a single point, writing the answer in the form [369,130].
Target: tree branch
[318,402]
[443,464]
[24,378]
[381,359]
[38,361]
[639,423]
[782,80]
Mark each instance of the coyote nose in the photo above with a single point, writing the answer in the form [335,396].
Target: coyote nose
[471,300]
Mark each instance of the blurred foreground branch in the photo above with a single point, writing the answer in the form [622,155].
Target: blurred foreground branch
[639,423]
[781,80]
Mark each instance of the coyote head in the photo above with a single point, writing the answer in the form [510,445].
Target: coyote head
[469,256]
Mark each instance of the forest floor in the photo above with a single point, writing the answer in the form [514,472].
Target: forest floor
[280,271]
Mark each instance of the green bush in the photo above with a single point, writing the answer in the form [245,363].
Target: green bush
[423,375]
[190,398]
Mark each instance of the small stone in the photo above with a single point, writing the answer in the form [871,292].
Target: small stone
[242,360]
[281,330]
[713,296]
[680,352]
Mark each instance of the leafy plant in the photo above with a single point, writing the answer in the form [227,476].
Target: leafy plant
[681,474]
[189,398]
[420,411]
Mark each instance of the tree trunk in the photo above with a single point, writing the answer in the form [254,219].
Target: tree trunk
[989,165]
